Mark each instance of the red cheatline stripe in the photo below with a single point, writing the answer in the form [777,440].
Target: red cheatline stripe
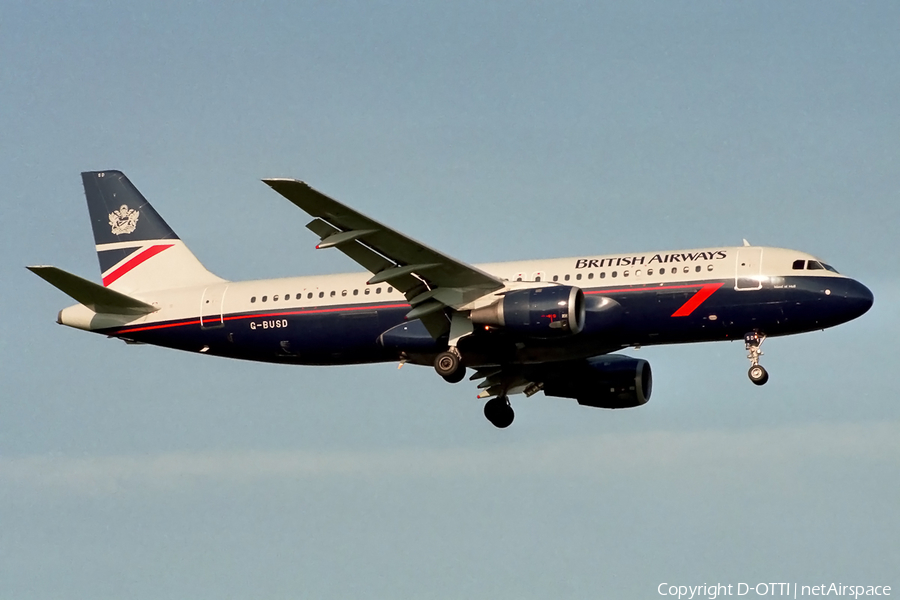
[697,299]
[133,262]
[646,289]
[265,315]
[162,326]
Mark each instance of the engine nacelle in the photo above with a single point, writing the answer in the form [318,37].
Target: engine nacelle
[609,381]
[544,312]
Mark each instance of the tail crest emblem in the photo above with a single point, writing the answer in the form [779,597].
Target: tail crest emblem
[123,220]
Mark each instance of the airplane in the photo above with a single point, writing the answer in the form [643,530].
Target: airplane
[550,325]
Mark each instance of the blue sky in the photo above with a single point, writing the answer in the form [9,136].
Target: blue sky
[493,131]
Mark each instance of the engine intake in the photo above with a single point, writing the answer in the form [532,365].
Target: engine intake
[609,381]
[545,312]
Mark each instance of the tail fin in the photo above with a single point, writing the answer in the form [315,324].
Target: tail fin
[137,249]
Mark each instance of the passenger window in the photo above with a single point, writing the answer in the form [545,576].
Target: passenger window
[687,269]
[578,277]
[567,276]
[709,268]
[343,292]
[378,290]
[366,291]
[649,271]
[252,299]
[332,293]
[637,273]
[798,265]
[356,292]
[321,294]
[614,274]
[264,298]
[556,278]
[625,273]
[603,275]
[309,296]
[390,289]
[697,268]
[590,275]
[275,298]
[299,296]
[662,270]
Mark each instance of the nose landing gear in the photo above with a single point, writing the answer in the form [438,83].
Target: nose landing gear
[757,373]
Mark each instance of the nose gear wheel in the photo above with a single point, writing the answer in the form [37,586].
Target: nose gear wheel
[757,373]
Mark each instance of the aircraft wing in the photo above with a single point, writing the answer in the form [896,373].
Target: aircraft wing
[430,279]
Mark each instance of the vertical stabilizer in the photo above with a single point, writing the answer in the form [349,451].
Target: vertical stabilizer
[137,249]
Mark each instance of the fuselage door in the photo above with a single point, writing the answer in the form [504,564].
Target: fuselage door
[748,268]
[211,306]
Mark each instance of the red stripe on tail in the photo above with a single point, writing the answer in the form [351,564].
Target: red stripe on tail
[139,258]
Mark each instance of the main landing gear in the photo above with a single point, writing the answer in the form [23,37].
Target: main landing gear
[499,412]
[448,366]
[757,372]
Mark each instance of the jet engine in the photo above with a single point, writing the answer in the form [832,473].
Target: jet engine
[545,312]
[609,381]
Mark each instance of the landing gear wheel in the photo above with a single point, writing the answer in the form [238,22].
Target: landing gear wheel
[456,377]
[758,374]
[752,341]
[447,364]
[499,412]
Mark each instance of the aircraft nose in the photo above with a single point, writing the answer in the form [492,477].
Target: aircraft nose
[856,297]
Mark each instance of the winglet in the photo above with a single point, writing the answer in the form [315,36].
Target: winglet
[96,297]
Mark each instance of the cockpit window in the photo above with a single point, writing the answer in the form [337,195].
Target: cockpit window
[812,265]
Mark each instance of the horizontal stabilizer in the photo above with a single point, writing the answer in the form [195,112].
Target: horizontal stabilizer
[96,297]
